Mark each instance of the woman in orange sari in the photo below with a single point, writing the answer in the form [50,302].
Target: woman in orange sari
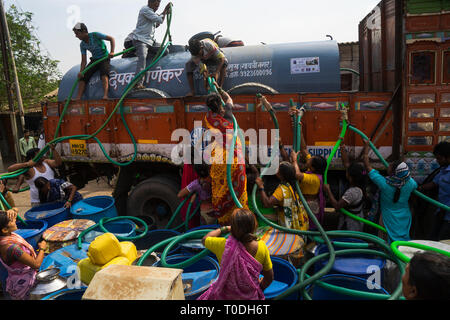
[219,120]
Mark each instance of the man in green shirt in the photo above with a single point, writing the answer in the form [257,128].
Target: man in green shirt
[26,143]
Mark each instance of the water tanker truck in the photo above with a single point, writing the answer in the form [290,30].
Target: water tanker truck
[402,115]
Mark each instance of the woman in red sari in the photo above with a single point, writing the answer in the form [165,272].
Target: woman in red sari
[219,120]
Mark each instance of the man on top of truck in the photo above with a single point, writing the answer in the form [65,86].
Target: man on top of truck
[206,53]
[94,42]
[143,36]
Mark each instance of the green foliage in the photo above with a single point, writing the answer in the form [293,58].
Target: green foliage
[38,74]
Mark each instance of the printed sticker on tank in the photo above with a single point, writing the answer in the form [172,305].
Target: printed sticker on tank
[305,65]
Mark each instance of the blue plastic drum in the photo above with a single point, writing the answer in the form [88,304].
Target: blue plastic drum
[66,294]
[32,231]
[285,277]
[121,228]
[197,277]
[358,265]
[345,281]
[94,208]
[52,213]
[156,236]
[195,245]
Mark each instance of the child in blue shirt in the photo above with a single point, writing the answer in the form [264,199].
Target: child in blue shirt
[440,229]
[94,43]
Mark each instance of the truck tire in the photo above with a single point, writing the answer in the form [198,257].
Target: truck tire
[147,94]
[252,88]
[155,197]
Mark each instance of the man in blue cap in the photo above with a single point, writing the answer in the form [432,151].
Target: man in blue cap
[94,43]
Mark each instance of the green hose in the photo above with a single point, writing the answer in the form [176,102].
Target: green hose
[106,220]
[69,98]
[378,154]
[4,205]
[405,258]
[180,238]
[325,177]
[346,291]
[129,238]
[44,150]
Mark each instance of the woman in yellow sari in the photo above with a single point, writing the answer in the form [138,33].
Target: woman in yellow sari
[219,120]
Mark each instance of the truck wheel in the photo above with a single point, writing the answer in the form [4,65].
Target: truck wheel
[252,88]
[155,197]
[148,93]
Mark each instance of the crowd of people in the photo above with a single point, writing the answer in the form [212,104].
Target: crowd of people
[279,198]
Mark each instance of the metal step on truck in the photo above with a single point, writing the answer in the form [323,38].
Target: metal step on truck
[402,103]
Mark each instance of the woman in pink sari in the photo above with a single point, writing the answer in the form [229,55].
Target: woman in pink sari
[242,259]
[18,257]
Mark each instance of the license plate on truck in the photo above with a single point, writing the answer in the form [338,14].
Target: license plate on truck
[78,148]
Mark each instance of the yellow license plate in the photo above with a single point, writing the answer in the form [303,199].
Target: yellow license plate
[78,148]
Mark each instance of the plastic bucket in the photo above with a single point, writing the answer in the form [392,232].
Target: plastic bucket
[32,231]
[285,277]
[51,212]
[66,294]
[197,277]
[122,228]
[94,208]
[156,236]
[359,265]
[65,259]
[341,280]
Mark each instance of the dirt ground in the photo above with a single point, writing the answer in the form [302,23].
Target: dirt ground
[93,188]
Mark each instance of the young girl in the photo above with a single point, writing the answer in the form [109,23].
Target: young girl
[311,181]
[202,187]
[18,257]
[242,259]
[395,191]
[352,200]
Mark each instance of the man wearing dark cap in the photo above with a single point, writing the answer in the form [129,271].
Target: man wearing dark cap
[94,43]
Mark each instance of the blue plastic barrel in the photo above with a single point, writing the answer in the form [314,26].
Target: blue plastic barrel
[359,265]
[94,208]
[53,213]
[121,228]
[197,277]
[195,245]
[32,231]
[66,259]
[285,277]
[156,236]
[341,280]
[66,294]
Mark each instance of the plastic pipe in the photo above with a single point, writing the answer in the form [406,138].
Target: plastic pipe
[405,258]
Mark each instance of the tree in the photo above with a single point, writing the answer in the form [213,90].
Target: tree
[38,74]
